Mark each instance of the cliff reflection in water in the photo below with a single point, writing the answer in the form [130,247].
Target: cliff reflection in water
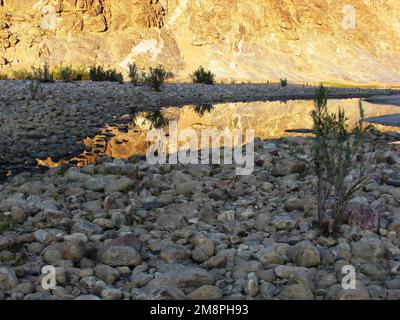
[269,120]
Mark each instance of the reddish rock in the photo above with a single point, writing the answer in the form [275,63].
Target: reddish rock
[364,217]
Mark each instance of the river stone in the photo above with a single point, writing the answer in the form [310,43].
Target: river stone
[393,295]
[43,236]
[267,187]
[243,268]
[187,188]
[218,261]
[226,216]
[111,294]
[206,292]
[163,293]
[87,297]
[208,215]
[353,294]
[116,256]
[199,255]
[269,255]
[305,254]
[18,213]
[169,221]
[393,283]
[8,279]
[121,184]
[7,241]
[140,279]
[203,243]
[106,273]
[25,287]
[286,167]
[293,204]
[52,253]
[296,292]
[252,285]
[373,271]
[40,296]
[369,249]
[183,277]
[268,290]
[377,293]
[284,222]
[86,227]
[173,253]
[74,174]
[73,250]
[95,184]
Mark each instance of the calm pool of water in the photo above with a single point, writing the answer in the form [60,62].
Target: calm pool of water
[268,120]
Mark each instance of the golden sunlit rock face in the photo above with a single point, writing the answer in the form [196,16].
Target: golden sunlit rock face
[355,41]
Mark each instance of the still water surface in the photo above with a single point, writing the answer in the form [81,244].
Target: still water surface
[269,120]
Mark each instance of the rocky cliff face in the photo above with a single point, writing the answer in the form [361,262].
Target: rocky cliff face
[341,40]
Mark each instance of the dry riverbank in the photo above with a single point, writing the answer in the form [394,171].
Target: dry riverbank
[122,229]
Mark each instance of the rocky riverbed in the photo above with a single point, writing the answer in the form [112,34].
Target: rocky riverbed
[122,229]
[53,120]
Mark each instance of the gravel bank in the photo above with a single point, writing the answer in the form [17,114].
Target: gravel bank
[122,229]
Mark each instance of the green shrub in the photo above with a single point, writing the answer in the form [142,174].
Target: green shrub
[337,152]
[133,74]
[7,223]
[115,76]
[33,89]
[22,74]
[156,77]
[65,74]
[68,73]
[43,74]
[97,73]
[80,74]
[284,82]
[3,76]
[203,76]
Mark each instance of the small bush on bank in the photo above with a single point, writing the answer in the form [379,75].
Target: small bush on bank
[80,74]
[33,89]
[114,76]
[63,73]
[22,74]
[203,76]
[7,223]
[156,77]
[68,73]
[337,152]
[284,82]
[43,74]
[134,76]
[97,73]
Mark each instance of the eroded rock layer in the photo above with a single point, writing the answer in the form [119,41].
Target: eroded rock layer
[345,41]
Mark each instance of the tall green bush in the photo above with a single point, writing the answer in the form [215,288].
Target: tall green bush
[156,77]
[337,153]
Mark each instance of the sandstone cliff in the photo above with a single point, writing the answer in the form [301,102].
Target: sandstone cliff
[332,40]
